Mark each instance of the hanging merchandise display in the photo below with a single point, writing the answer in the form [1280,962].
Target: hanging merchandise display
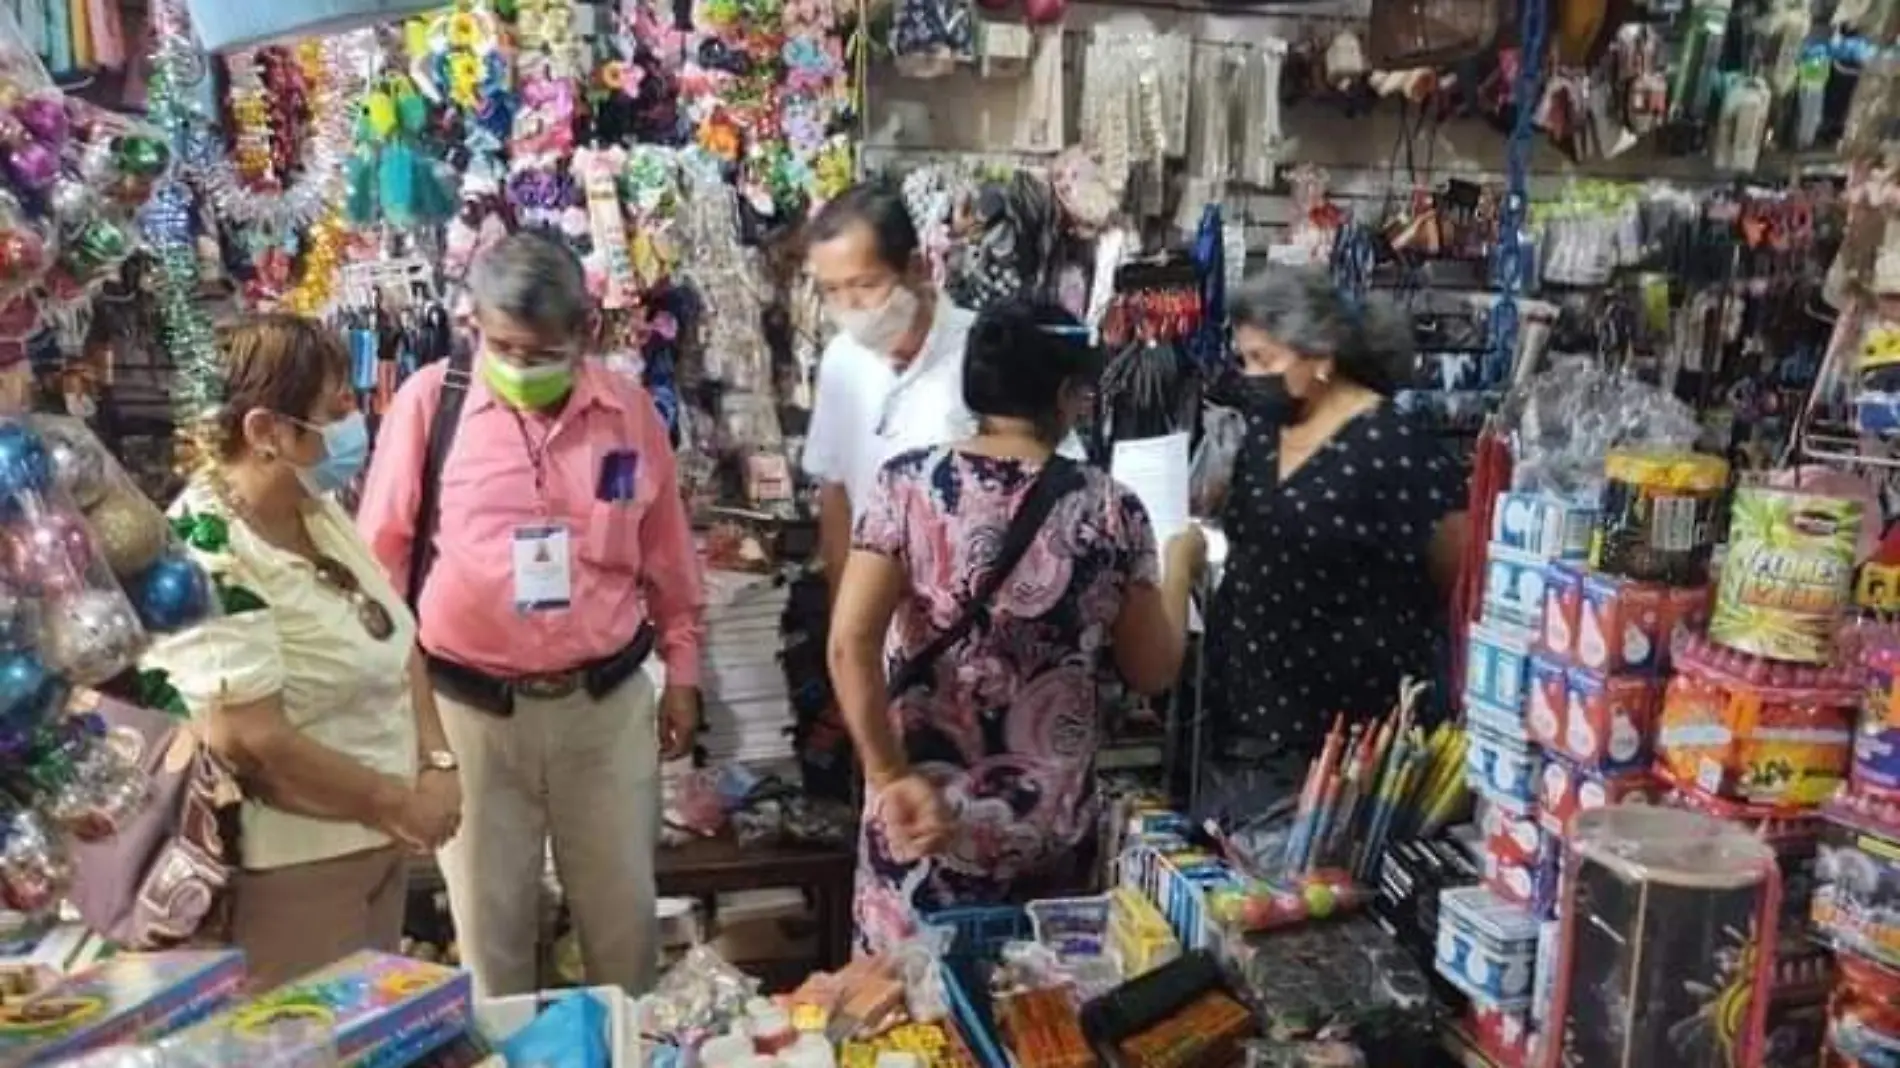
[73,179]
[783,140]
[392,179]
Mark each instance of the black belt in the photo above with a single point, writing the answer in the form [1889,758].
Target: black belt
[495,694]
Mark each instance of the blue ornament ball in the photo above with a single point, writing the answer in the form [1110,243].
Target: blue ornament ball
[26,688]
[173,593]
[24,465]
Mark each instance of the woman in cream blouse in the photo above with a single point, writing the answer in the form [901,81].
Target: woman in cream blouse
[316,696]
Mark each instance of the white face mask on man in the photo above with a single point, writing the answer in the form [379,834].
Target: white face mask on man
[881,328]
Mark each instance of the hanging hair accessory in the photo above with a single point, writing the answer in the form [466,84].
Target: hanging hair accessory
[599,171]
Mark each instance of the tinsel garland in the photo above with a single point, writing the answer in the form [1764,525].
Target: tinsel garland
[250,122]
[335,81]
[197,382]
[322,261]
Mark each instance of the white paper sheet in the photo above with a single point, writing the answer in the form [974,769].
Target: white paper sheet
[1156,471]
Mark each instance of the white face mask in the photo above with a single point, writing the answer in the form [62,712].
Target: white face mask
[881,328]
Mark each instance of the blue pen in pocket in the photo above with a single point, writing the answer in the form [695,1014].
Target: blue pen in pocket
[619,476]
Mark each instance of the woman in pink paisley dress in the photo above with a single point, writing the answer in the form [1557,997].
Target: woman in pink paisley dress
[981,783]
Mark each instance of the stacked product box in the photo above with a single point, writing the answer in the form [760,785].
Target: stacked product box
[1487,935]
[1582,604]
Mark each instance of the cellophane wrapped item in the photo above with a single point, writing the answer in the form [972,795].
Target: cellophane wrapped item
[1222,430]
[67,513]
[1667,913]
[700,993]
[1574,413]
[132,540]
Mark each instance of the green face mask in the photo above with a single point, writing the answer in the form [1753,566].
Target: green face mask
[527,388]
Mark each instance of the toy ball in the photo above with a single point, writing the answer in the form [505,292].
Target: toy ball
[24,465]
[1321,899]
[49,552]
[91,636]
[79,460]
[141,156]
[130,531]
[44,117]
[173,593]
[22,255]
[33,165]
[34,867]
[25,686]
[70,200]
[98,244]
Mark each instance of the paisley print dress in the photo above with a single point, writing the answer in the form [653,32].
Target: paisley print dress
[1010,725]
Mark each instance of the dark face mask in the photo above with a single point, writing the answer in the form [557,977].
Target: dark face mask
[1265,397]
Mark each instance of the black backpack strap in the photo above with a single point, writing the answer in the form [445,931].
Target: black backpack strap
[442,428]
[1058,476]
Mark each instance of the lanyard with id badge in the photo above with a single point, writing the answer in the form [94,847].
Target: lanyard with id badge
[543,553]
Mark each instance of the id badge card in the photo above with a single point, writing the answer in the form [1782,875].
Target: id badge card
[544,570]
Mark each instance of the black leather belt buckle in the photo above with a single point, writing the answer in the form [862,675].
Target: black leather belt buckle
[552,687]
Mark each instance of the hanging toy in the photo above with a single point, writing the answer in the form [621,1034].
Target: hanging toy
[599,172]
[459,60]
[390,178]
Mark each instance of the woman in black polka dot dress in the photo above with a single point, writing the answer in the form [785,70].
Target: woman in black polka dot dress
[1345,520]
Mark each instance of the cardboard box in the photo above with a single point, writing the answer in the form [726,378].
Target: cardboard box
[1620,626]
[368,1010]
[130,999]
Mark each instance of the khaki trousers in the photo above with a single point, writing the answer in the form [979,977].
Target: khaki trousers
[293,920]
[584,775]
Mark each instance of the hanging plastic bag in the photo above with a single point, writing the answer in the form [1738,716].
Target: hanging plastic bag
[1212,469]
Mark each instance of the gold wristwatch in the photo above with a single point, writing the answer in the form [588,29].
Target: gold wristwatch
[439,760]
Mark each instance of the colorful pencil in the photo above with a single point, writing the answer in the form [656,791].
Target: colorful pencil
[1304,819]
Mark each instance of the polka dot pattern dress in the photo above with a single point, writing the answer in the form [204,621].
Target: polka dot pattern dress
[1327,603]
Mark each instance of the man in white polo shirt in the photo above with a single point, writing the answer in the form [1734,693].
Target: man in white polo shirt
[892,379]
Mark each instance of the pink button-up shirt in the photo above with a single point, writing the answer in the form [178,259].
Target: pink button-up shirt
[629,559]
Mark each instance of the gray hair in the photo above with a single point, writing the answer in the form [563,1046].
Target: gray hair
[1369,342]
[533,279]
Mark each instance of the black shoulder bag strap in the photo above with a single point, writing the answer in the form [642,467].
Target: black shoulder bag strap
[442,428]
[1058,476]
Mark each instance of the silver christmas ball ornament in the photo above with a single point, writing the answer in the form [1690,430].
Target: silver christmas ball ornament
[91,636]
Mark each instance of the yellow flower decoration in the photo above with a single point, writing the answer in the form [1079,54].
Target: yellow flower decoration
[465,75]
[380,109]
[464,31]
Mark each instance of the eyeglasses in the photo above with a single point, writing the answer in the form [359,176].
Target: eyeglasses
[375,618]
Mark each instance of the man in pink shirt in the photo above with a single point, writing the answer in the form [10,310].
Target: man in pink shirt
[560,557]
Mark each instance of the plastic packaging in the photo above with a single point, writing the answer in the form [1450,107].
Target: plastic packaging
[1661,906]
[1741,727]
[1569,417]
[1863,1016]
[131,536]
[701,992]
[1222,431]
[1876,766]
[571,1033]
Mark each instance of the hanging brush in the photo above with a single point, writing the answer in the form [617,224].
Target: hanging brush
[1148,390]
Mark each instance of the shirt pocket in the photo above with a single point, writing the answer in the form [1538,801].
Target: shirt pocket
[612,538]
